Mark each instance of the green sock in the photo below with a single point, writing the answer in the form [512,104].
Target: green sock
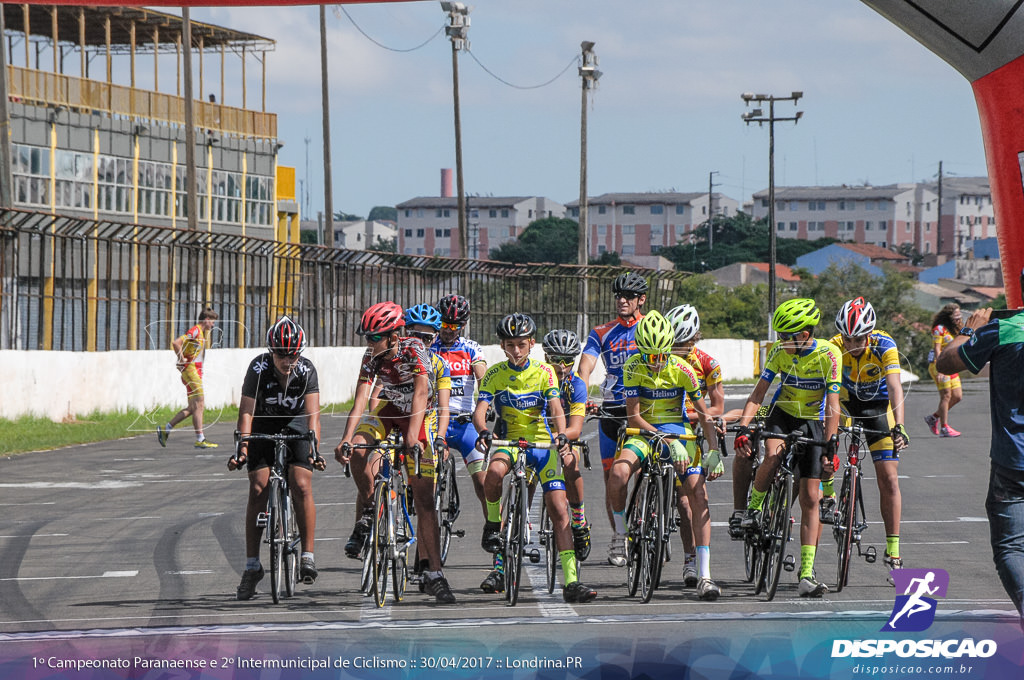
[828,487]
[494,511]
[892,546]
[756,499]
[568,558]
[807,560]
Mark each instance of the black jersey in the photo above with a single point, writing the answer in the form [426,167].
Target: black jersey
[275,399]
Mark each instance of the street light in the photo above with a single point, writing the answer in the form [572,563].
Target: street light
[757,116]
[589,75]
[457,31]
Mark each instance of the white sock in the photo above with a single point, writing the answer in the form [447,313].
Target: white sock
[169,426]
[305,555]
[431,575]
[252,564]
[704,561]
[619,520]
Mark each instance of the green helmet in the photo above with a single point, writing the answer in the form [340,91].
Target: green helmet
[795,315]
[654,334]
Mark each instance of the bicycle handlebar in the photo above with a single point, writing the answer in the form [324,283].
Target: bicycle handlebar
[522,444]
[415,449]
[279,437]
[860,429]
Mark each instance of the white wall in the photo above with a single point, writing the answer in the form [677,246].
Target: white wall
[59,384]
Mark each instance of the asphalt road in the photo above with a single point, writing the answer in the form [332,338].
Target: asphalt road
[129,535]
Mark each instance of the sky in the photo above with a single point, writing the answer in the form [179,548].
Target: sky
[878,107]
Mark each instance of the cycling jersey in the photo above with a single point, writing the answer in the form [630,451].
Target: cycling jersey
[442,373]
[574,396]
[707,368]
[280,404]
[520,395]
[613,342]
[661,392]
[864,376]
[193,347]
[805,378]
[461,355]
[941,335]
[397,374]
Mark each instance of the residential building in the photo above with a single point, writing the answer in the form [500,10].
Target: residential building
[739,273]
[644,223]
[430,225]
[363,234]
[865,255]
[967,214]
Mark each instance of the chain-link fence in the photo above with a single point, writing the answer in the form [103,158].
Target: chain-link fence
[73,284]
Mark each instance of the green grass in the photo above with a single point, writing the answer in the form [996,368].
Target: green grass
[31,433]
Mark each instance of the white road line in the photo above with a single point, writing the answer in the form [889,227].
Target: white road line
[106,574]
[92,486]
[20,504]
[194,572]
[551,604]
[33,535]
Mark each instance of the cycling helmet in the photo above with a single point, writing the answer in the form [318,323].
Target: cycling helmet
[654,334]
[685,322]
[286,337]
[561,343]
[423,315]
[630,282]
[382,317]
[454,309]
[856,318]
[516,326]
[795,315]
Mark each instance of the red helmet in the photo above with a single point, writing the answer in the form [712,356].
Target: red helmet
[382,317]
[286,338]
[856,318]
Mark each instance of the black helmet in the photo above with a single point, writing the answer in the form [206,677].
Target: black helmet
[561,343]
[630,282]
[516,326]
[286,337]
[454,309]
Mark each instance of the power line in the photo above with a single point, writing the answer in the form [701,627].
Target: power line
[575,60]
[338,10]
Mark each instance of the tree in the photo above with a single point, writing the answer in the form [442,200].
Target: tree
[384,213]
[308,236]
[608,257]
[386,245]
[552,239]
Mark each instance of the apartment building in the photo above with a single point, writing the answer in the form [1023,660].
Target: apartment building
[967,214]
[644,223]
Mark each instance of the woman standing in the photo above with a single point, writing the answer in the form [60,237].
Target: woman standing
[945,326]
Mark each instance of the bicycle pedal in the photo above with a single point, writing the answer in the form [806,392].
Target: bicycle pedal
[870,555]
[459,532]
[262,519]
[534,556]
[788,563]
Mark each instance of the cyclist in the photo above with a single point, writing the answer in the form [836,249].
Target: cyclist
[190,349]
[686,326]
[872,393]
[561,347]
[525,394]
[656,385]
[280,393]
[807,401]
[946,325]
[467,365]
[403,367]
[613,342]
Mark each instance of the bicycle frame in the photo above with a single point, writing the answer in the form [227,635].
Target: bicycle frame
[849,520]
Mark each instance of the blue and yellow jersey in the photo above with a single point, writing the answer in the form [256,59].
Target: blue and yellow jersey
[805,378]
[520,396]
[442,374]
[574,396]
[661,392]
[864,376]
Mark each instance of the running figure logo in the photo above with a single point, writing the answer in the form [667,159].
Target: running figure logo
[914,610]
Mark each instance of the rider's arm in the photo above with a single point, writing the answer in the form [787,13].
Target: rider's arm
[312,408]
[420,397]
[479,369]
[586,367]
[832,413]
[574,427]
[358,407]
[754,401]
[443,412]
[556,416]
[480,415]
[633,417]
[716,395]
[895,388]
[707,425]
[374,396]
[950,360]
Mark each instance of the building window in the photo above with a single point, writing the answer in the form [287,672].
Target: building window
[601,249]
[627,250]
[30,169]
[781,226]
[601,209]
[575,212]
[419,212]
[764,202]
[780,206]
[628,229]
[680,209]
[74,180]
[793,226]
[601,230]
[504,212]
[492,213]
[259,200]
[408,233]
[657,230]
[869,205]
[794,206]
[115,185]
[657,210]
[883,225]
[655,249]
[868,226]
[408,213]
[420,233]
[629,210]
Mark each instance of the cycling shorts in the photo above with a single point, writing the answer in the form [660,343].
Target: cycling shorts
[943,381]
[260,452]
[641,447]
[462,438]
[808,462]
[193,381]
[385,419]
[608,433]
[875,415]
[543,463]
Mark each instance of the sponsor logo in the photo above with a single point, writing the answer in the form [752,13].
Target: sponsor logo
[914,610]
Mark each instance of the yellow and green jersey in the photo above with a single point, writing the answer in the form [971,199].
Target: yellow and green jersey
[661,392]
[805,378]
[520,396]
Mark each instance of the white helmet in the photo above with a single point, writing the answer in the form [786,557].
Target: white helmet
[856,318]
[685,322]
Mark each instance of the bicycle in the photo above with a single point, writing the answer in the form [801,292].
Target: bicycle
[751,548]
[646,513]
[773,531]
[446,502]
[546,533]
[849,519]
[282,533]
[391,534]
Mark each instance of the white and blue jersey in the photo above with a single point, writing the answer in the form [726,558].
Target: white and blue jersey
[461,356]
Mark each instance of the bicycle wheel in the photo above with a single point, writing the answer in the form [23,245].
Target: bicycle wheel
[843,530]
[515,542]
[547,539]
[653,542]
[380,544]
[751,557]
[446,503]
[635,526]
[276,538]
[400,564]
[291,544]
[672,519]
[778,536]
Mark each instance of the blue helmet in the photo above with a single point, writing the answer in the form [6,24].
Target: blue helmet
[425,315]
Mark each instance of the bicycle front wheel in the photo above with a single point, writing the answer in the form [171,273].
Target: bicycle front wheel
[291,544]
[636,513]
[844,531]
[446,503]
[547,539]
[778,535]
[515,539]
[276,538]
[380,544]
[652,542]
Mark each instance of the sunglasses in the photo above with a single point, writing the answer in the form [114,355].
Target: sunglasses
[563,360]
[375,337]
[450,326]
[423,335]
[626,296]
[285,355]
[788,336]
[654,358]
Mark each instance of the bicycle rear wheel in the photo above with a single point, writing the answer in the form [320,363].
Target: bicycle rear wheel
[515,539]
[778,535]
[276,538]
[652,542]
[400,564]
[844,531]
[291,544]
[380,544]
[446,503]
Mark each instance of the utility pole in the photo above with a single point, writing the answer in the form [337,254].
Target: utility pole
[757,116]
[190,129]
[304,198]
[938,226]
[457,30]
[6,186]
[589,76]
[326,115]
[711,213]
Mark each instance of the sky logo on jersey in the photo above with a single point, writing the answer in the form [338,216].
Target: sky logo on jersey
[914,610]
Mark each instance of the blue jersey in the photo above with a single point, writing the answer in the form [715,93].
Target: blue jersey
[614,343]
[1001,343]
[574,396]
